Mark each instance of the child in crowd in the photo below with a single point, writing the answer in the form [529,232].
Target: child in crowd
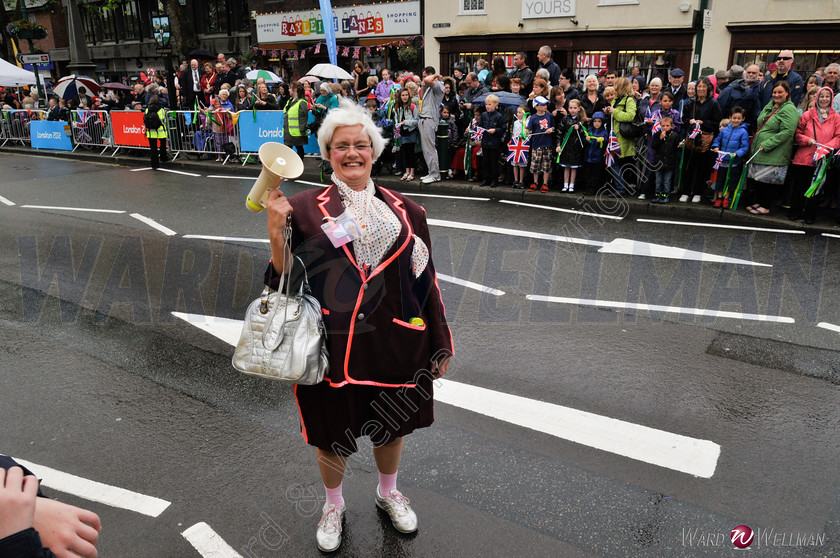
[518,131]
[666,108]
[473,156]
[571,142]
[494,126]
[665,158]
[447,137]
[593,159]
[406,117]
[516,86]
[609,95]
[541,128]
[734,138]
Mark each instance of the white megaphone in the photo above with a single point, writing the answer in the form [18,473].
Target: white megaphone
[279,162]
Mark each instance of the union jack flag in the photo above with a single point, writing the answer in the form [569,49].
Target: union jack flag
[612,147]
[477,134]
[721,157]
[695,132]
[657,127]
[518,151]
[821,151]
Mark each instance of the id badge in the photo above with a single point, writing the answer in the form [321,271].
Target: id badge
[343,229]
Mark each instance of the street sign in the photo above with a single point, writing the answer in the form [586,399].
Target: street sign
[707,19]
[34,58]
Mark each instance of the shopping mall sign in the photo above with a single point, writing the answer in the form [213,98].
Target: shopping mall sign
[367,20]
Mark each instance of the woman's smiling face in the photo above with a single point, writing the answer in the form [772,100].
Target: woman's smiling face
[351,156]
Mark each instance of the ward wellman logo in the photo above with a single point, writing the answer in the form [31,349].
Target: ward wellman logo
[742,536]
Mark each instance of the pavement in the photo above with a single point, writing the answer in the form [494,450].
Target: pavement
[601,203]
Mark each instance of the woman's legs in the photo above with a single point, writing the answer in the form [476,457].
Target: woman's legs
[387,456]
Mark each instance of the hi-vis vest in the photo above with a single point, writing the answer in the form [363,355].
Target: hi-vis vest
[293,115]
[160,133]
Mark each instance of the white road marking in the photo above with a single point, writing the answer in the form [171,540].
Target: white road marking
[445,197]
[234,177]
[227,238]
[179,172]
[513,232]
[828,326]
[73,208]
[154,224]
[574,211]
[718,226]
[470,284]
[143,169]
[831,235]
[642,443]
[97,491]
[208,543]
[658,308]
[6,201]
[674,451]
[636,248]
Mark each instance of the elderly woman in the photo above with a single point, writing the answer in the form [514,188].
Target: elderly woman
[590,99]
[208,82]
[622,109]
[773,149]
[222,122]
[296,118]
[386,331]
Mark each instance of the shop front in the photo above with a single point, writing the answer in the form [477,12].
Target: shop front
[814,45]
[370,33]
[654,51]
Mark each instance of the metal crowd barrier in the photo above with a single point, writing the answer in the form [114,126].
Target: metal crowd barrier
[92,129]
[192,132]
[15,124]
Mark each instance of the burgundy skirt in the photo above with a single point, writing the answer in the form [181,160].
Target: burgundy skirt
[333,418]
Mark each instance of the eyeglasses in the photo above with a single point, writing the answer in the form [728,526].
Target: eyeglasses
[785,58]
[359,147]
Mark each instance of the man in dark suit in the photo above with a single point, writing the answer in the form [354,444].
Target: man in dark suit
[677,87]
[190,82]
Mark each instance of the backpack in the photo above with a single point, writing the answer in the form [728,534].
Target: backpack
[151,120]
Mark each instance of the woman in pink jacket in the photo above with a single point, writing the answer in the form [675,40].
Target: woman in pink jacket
[819,128]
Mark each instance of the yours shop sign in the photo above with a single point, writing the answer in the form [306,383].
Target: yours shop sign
[536,9]
[367,20]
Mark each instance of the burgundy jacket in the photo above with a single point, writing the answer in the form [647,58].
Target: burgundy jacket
[369,337]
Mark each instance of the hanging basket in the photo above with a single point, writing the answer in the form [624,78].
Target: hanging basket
[25,29]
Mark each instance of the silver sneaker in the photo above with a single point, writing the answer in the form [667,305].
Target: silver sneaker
[398,509]
[328,534]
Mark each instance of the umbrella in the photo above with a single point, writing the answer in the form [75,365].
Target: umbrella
[68,87]
[269,77]
[309,79]
[506,98]
[328,71]
[202,53]
[115,85]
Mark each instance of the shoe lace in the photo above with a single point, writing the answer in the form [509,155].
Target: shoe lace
[398,502]
[331,520]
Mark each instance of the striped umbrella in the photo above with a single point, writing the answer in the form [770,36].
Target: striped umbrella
[269,77]
[68,87]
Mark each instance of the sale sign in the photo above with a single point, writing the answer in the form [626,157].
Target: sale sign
[591,61]
[129,130]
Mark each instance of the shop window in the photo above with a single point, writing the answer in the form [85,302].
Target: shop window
[472,7]
[591,62]
[468,60]
[805,62]
[651,63]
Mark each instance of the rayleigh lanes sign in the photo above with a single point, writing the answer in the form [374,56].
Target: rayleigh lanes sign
[368,20]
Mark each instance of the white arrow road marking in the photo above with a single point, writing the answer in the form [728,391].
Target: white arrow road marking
[470,284]
[658,308]
[178,172]
[208,543]
[650,445]
[636,248]
[513,232]
[97,491]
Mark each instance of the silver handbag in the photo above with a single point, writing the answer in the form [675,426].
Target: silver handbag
[283,337]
